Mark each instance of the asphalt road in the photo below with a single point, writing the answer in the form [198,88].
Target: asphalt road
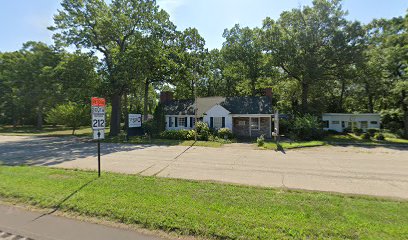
[17,223]
[379,171]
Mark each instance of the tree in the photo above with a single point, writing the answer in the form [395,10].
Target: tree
[70,114]
[242,52]
[109,29]
[312,45]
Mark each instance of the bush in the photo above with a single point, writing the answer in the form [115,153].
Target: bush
[178,134]
[203,131]
[260,140]
[357,131]
[70,114]
[372,131]
[224,133]
[366,136]
[379,136]
[307,128]
[347,130]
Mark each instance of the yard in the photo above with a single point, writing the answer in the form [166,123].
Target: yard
[210,210]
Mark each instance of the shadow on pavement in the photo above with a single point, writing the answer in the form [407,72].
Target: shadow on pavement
[49,151]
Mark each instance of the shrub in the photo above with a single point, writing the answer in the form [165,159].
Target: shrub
[357,131]
[372,131]
[178,134]
[203,131]
[70,114]
[260,140]
[379,136]
[347,130]
[307,128]
[366,136]
[224,133]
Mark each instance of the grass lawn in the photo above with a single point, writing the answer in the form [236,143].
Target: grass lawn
[47,130]
[212,210]
[291,145]
[167,142]
[352,138]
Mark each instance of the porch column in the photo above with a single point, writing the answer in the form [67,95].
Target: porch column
[250,130]
[270,126]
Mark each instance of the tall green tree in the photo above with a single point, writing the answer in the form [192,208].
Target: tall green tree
[312,45]
[110,29]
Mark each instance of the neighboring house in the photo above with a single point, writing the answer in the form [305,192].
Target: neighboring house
[339,121]
[246,116]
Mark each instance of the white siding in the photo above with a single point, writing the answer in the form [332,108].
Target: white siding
[218,111]
[338,122]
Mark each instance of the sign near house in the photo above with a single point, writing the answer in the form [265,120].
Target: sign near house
[135,120]
[98,124]
[98,113]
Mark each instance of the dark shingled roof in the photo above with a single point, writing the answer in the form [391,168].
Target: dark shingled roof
[235,105]
[179,107]
[248,105]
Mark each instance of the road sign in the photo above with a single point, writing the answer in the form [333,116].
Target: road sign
[98,124]
[99,134]
[135,120]
[98,113]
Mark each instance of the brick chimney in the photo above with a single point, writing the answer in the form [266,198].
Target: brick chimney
[166,96]
[268,92]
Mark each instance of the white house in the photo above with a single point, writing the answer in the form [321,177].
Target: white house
[246,116]
[339,121]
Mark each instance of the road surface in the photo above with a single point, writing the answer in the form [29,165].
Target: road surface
[20,224]
[379,171]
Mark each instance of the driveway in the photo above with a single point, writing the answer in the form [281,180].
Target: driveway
[379,171]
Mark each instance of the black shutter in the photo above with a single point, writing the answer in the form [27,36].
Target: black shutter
[191,122]
[223,122]
[211,122]
[176,121]
[185,122]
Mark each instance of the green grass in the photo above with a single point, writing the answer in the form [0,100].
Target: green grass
[352,139]
[292,145]
[47,130]
[211,210]
[166,142]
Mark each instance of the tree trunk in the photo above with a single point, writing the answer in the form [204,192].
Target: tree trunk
[146,100]
[115,115]
[73,130]
[39,117]
[126,110]
[343,89]
[253,89]
[404,106]
[370,104]
[305,94]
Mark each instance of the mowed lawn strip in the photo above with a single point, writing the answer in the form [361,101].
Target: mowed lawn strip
[212,210]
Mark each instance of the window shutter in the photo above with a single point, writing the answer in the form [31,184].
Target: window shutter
[185,121]
[211,122]
[191,122]
[176,121]
[223,122]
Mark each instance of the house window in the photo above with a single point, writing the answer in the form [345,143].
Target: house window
[343,124]
[170,122]
[335,122]
[374,122]
[217,122]
[181,121]
[364,124]
[255,123]
[241,123]
[326,124]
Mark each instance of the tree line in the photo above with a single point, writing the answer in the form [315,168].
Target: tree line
[313,57]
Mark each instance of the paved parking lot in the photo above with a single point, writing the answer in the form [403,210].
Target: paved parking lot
[380,171]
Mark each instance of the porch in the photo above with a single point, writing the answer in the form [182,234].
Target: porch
[252,125]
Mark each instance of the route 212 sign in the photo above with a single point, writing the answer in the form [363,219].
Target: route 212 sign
[98,113]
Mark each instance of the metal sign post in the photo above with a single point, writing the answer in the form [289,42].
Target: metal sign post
[98,125]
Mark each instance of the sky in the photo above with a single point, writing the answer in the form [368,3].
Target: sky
[27,20]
